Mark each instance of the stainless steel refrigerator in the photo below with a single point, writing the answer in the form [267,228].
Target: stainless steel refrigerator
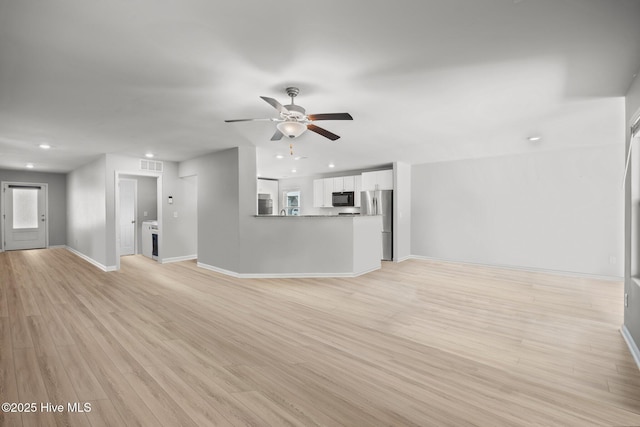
[380,202]
[265,204]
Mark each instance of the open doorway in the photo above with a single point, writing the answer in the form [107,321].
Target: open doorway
[24,216]
[137,204]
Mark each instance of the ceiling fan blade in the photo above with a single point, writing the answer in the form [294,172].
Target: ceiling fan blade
[323,132]
[277,136]
[249,120]
[275,104]
[330,116]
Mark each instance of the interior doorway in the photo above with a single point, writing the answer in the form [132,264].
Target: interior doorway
[147,207]
[24,215]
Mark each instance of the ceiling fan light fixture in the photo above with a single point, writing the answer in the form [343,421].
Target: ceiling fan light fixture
[291,128]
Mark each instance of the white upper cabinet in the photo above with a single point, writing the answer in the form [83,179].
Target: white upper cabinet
[318,193]
[338,183]
[323,189]
[322,193]
[328,192]
[349,183]
[344,183]
[377,180]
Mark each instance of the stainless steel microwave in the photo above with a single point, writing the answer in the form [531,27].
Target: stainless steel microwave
[344,198]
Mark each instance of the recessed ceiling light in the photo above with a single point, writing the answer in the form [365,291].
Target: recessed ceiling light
[279,156]
[44,146]
[29,165]
[293,171]
[149,155]
[331,165]
[534,138]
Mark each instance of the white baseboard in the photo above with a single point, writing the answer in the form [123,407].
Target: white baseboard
[633,348]
[281,275]
[518,268]
[217,269]
[91,260]
[404,258]
[48,247]
[178,259]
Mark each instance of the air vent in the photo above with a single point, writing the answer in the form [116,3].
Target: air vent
[150,165]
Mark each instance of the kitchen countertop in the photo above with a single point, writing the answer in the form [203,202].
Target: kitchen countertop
[310,216]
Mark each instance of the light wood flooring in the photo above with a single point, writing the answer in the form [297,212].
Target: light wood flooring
[418,343]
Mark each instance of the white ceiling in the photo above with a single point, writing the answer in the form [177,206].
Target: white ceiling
[425,80]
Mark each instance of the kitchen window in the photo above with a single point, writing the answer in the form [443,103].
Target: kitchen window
[292,202]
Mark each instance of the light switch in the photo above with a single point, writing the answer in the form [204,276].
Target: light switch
[145,213]
[175,214]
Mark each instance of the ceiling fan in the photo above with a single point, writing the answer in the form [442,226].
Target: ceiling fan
[293,120]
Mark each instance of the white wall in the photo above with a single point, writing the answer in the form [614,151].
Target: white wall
[218,206]
[401,211]
[86,211]
[179,233]
[188,238]
[553,210]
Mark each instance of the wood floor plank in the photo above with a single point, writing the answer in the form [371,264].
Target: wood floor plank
[5,279]
[161,403]
[31,388]
[270,412]
[84,381]
[192,403]
[8,385]
[49,310]
[129,406]
[104,414]
[413,344]
[20,336]
[60,391]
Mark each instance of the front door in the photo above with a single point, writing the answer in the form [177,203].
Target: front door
[25,222]
[128,196]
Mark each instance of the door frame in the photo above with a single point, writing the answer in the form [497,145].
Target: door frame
[135,215]
[117,178]
[43,186]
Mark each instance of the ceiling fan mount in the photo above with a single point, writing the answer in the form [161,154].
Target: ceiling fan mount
[294,120]
[292,92]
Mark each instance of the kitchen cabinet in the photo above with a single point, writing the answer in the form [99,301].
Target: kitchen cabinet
[344,183]
[322,193]
[377,180]
[318,193]
[328,192]
[324,187]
